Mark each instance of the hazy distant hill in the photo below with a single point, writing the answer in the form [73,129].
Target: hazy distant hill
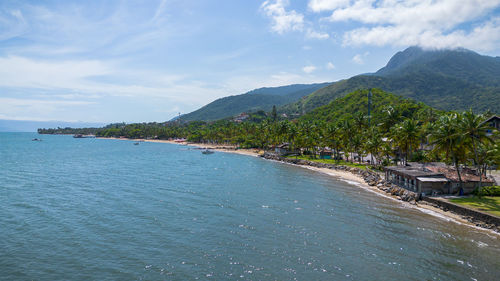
[32,126]
[445,79]
[259,99]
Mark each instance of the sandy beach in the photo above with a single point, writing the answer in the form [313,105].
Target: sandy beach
[355,179]
[222,148]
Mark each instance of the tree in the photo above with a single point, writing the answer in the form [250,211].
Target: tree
[448,139]
[374,143]
[409,131]
[274,113]
[391,117]
[474,130]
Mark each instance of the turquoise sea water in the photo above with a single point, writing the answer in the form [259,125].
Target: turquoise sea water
[93,209]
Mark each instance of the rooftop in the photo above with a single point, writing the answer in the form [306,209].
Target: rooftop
[412,171]
[434,170]
[451,174]
[426,179]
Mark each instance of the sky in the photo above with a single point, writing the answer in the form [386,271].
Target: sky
[144,61]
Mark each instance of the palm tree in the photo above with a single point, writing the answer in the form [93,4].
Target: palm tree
[409,137]
[357,145]
[391,117]
[488,155]
[473,129]
[292,135]
[373,143]
[448,139]
[359,121]
[332,133]
[346,134]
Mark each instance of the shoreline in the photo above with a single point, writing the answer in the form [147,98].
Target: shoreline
[421,206]
[222,148]
[343,175]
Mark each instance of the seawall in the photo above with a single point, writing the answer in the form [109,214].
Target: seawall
[374,179]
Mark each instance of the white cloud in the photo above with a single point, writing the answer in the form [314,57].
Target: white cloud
[43,74]
[309,68]
[327,5]
[316,35]
[358,59]
[35,109]
[283,20]
[330,65]
[431,24]
[242,84]
[79,76]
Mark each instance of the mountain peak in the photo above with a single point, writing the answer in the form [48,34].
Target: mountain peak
[402,58]
[416,58]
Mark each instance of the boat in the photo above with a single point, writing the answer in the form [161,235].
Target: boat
[81,136]
[136,143]
[206,151]
[35,139]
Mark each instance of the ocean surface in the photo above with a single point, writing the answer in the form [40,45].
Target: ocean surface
[94,209]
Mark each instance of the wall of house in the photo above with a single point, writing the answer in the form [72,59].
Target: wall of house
[468,187]
[430,188]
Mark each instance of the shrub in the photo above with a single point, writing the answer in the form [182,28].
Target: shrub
[489,191]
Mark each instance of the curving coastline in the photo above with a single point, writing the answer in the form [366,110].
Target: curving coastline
[366,179]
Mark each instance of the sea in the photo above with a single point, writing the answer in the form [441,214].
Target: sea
[101,209]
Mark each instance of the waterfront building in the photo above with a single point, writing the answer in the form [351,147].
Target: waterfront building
[494,123]
[434,179]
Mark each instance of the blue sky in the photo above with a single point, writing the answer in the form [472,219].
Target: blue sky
[137,61]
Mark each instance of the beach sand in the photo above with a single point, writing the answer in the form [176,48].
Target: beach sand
[223,148]
[340,175]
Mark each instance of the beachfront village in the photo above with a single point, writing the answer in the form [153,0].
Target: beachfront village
[403,147]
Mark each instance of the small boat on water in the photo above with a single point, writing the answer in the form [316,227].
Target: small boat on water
[81,136]
[206,151]
[35,139]
[136,143]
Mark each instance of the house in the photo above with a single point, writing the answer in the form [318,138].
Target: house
[325,154]
[284,149]
[434,178]
[417,180]
[494,123]
[470,179]
[240,118]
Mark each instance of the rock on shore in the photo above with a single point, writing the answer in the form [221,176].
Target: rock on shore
[370,177]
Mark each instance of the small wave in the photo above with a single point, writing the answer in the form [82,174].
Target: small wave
[436,214]
[480,244]
[402,203]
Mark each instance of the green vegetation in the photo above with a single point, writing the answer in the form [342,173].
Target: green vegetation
[485,204]
[351,105]
[398,131]
[330,161]
[446,80]
[489,191]
[259,99]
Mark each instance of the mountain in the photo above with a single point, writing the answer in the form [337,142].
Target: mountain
[258,99]
[456,79]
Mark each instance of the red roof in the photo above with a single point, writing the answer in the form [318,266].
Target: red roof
[451,174]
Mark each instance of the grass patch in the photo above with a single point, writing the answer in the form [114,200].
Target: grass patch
[486,204]
[330,161]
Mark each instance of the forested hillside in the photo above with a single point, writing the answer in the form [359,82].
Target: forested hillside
[445,79]
[259,99]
